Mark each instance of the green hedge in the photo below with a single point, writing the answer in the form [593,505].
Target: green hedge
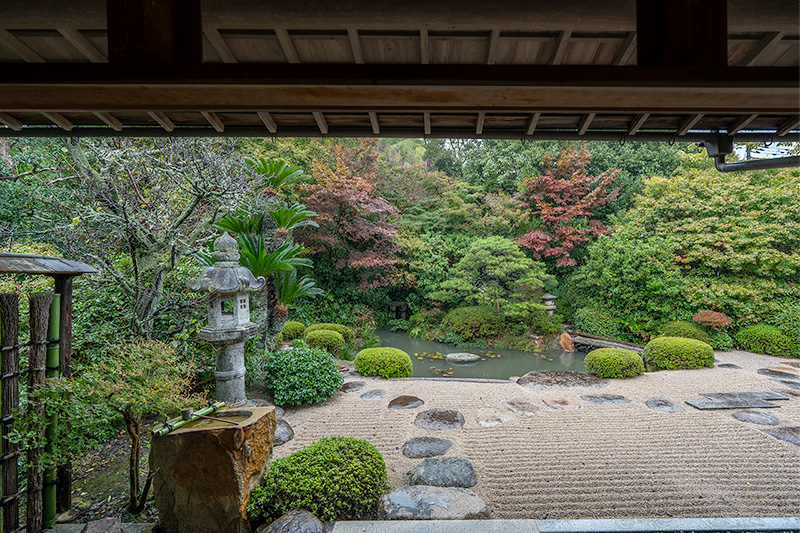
[302,375]
[766,339]
[788,321]
[677,353]
[720,340]
[293,330]
[472,323]
[344,331]
[614,363]
[682,328]
[336,478]
[330,341]
[597,322]
[385,362]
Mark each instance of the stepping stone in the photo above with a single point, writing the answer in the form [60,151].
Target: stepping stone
[791,384]
[283,433]
[561,379]
[606,399]
[729,365]
[737,400]
[439,419]
[756,417]
[521,407]
[791,363]
[375,394]
[785,369]
[488,417]
[445,472]
[780,374]
[462,357]
[420,502]
[791,434]
[352,386]
[662,405]
[405,402]
[295,521]
[421,447]
[789,392]
[279,412]
[561,404]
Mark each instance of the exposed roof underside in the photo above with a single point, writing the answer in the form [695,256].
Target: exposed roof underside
[547,69]
[42,264]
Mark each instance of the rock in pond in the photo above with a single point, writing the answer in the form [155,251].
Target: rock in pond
[462,357]
[421,447]
[561,379]
[405,402]
[295,521]
[444,472]
[283,432]
[420,502]
[439,419]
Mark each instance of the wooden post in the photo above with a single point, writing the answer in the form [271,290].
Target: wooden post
[51,372]
[63,286]
[9,375]
[39,315]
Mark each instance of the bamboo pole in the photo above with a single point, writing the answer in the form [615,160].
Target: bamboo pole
[178,422]
[63,286]
[51,372]
[9,370]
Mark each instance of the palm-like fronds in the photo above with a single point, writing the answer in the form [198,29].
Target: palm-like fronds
[296,216]
[278,173]
[253,255]
[288,287]
[241,222]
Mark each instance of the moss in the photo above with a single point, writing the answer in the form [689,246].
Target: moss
[293,330]
[614,363]
[677,353]
[330,341]
[336,478]
[766,339]
[344,331]
[302,375]
[385,362]
[681,328]
[472,323]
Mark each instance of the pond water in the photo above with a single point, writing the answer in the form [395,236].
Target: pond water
[429,361]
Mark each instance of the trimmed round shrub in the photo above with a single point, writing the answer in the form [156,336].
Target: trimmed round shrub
[472,323]
[302,375]
[384,362]
[344,331]
[330,341]
[293,330]
[677,353]
[336,478]
[766,339]
[614,363]
[597,322]
[681,328]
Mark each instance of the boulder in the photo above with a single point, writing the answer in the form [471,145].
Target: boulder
[462,357]
[295,521]
[204,474]
[421,502]
[565,342]
[439,419]
[444,472]
[283,433]
[104,525]
[421,447]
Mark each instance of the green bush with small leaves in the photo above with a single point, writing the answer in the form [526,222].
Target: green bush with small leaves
[302,375]
[344,331]
[614,363]
[677,353]
[766,339]
[596,321]
[720,340]
[330,341]
[293,330]
[542,323]
[682,328]
[384,362]
[470,323]
[788,321]
[336,478]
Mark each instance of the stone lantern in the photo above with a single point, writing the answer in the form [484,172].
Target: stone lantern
[228,284]
[548,300]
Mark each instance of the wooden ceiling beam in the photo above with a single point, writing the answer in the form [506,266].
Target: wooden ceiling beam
[214,120]
[531,127]
[322,124]
[219,44]
[479,123]
[740,123]
[18,47]
[59,120]
[788,126]
[355,45]
[625,51]
[163,120]
[373,120]
[424,52]
[688,123]
[426,123]
[82,45]
[110,120]
[586,121]
[494,38]
[287,45]
[560,47]
[637,123]
[268,121]
[763,46]
[10,122]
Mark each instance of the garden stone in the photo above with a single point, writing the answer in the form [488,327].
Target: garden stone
[791,384]
[405,402]
[561,404]
[737,400]
[104,525]
[421,447]
[795,364]
[352,386]
[662,405]
[780,374]
[375,394]
[606,399]
[279,412]
[756,417]
[462,357]
[444,472]
[729,365]
[521,407]
[295,521]
[492,417]
[439,419]
[420,502]
[561,379]
[565,342]
[283,433]
[791,434]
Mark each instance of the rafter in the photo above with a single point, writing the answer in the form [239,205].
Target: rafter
[637,123]
[560,47]
[373,120]
[82,45]
[586,121]
[532,123]
[268,121]
[214,120]
[788,126]
[479,123]
[162,119]
[760,49]
[18,47]
[110,120]
[426,123]
[687,124]
[740,123]
[494,37]
[59,120]
[287,45]
[626,50]
[424,52]
[10,121]
[321,122]
[355,45]
[219,44]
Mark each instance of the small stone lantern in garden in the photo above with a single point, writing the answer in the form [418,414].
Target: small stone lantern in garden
[549,306]
[228,284]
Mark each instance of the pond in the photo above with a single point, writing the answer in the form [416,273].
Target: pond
[429,361]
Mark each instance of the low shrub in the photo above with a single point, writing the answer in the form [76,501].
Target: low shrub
[681,328]
[614,363]
[336,478]
[766,339]
[344,331]
[293,330]
[720,340]
[471,323]
[712,319]
[788,321]
[597,322]
[385,362]
[542,323]
[677,353]
[330,341]
[302,375]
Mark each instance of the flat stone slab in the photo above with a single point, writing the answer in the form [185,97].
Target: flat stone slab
[420,502]
[729,365]
[521,407]
[405,402]
[756,417]
[462,357]
[737,400]
[295,521]
[352,386]
[794,364]
[561,404]
[374,394]
[780,374]
[662,405]
[561,379]
[791,384]
[283,433]
[439,419]
[606,399]
[421,447]
[488,417]
[444,472]
[791,434]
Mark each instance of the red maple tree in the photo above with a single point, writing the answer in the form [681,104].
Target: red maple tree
[562,201]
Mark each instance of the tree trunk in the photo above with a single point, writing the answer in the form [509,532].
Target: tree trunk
[133,427]
[147,304]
